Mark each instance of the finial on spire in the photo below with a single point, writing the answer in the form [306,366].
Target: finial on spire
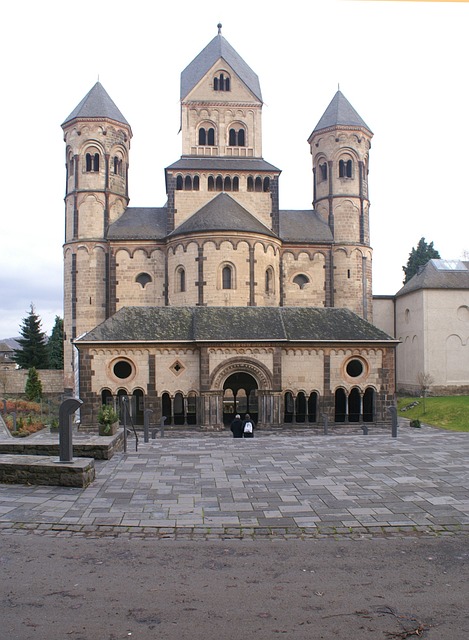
[338,86]
[219,25]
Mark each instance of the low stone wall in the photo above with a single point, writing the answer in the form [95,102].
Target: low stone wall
[21,469]
[14,382]
[99,447]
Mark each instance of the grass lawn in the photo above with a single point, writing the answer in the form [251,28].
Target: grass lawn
[447,412]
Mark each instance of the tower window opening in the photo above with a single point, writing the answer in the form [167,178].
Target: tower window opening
[221,83]
[179,183]
[211,137]
[250,184]
[236,183]
[345,168]
[117,166]
[92,162]
[266,185]
[211,183]
[269,280]
[227,184]
[196,183]
[202,136]
[206,136]
[188,183]
[323,171]
[258,184]
[180,280]
[348,273]
[219,184]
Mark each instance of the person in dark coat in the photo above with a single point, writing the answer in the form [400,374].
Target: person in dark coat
[237,427]
[248,427]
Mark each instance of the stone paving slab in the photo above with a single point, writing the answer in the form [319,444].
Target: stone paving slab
[270,485]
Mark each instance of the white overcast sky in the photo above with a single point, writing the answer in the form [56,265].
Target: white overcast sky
[402,65]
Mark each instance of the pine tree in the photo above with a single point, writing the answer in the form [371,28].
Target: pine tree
[33,388]
[33,352]
[55,345]
[418,257]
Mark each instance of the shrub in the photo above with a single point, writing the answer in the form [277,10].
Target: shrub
[415,423]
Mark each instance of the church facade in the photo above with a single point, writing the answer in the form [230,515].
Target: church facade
[219,301]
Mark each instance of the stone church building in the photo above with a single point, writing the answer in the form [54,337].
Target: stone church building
[219,301]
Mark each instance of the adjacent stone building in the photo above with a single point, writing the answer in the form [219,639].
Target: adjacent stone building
[219,301]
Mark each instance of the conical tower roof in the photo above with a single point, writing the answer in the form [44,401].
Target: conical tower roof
[216,49]
[97,104]
[340,113]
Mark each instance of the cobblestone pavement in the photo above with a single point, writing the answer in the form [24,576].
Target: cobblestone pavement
[209,485]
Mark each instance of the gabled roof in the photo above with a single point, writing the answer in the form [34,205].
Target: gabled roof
[216,49]
[139,223]
[234,324]
[97,104]
[439,274]
[340,113]
[303,226]
[222,213]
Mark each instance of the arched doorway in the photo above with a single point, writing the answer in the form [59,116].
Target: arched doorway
[240,396]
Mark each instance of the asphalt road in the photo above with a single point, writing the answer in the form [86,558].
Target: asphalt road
[85,588]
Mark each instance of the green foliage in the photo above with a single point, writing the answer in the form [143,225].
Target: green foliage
[418,257]
[55,346]
[33,352]
[415,423]
[107,416]
[33,388]
[446,412]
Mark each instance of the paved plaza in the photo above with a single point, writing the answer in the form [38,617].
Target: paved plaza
[290,484]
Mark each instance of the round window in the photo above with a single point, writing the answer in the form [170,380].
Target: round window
[354,368]
[122,369]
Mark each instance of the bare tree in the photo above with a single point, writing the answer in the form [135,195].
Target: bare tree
[425,381]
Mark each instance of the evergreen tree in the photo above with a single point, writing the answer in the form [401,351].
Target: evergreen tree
[33,352]
[33,388]
[418,257]
[55,345]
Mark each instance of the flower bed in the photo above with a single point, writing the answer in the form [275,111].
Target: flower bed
[29,418]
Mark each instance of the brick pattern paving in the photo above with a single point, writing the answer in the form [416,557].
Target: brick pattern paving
[273,485]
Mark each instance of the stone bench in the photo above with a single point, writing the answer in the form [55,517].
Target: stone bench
[27,469]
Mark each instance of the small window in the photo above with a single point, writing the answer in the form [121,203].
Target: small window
[188,183]
[221,82]
[269,280]
[258,184]
[345,168]
[211,183]
[236,138]
[219,184]
[227,183]
[323,172]
[266,185]
[301,280]
[211,137]
[196,183]
[250,183]
[180,280]
[202,136]
[179,183]
[143,279]
[236,183]
[227,279]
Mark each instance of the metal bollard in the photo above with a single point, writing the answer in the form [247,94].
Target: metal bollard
[66,411]
[326,423]
[365,429]
[393,412]
[146,424]
[162,421]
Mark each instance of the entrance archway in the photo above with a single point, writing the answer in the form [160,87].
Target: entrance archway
[240,396]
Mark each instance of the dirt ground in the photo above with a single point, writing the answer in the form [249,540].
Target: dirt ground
[54,588]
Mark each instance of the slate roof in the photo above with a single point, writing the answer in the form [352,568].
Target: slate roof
[216,49]
[303,226]
[222,163]
[139,223]
[234,324]
[97,104]
[439,274]
[222,213]
[340,112]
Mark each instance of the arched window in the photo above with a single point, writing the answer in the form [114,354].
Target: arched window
[227,184]
[258,184]
[92,162]
[196,183]
[71,166]
[301,280]
[340,406]
[219,184]
[188,183]
[180,280]
[236,138]
[211,183]
[211,137]
[221,82]
[289,407]
[236,183]
[354,405]
[178,409]
[250,183]
[368,405]
[323,172]
[345,168]
[269,280]
[300,405]
[202,136]
[116,165]
[143,279]
[179,183]
[266,185]
[312,406]
[227,277]
[166,407]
